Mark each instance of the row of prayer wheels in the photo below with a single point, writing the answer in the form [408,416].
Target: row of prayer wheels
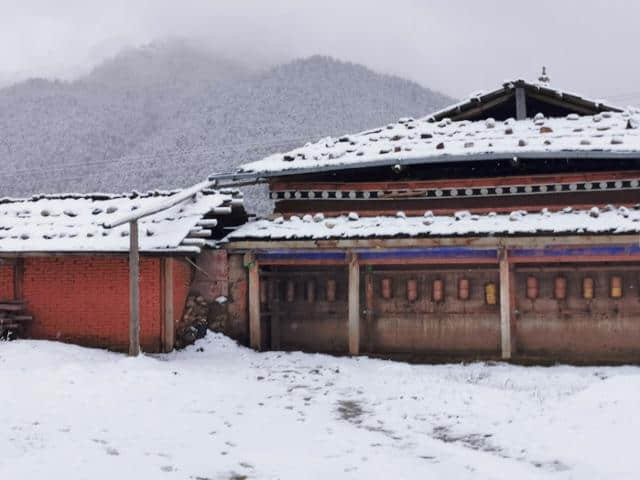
[560,287]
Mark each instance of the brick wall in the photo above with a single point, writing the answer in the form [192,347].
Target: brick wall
[6,281]
[85,300]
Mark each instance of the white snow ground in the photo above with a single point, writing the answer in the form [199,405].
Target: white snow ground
[219,411]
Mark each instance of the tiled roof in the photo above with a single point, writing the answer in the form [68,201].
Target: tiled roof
[75,223]
[424,141]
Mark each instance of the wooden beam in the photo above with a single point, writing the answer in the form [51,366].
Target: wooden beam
[465,114]
[505,305]
[548,260]
[168,337]
[477,241]
[521,104]
[255,324]
[458,183]
[583,110]
[354,305]
[134,290]
[161,204]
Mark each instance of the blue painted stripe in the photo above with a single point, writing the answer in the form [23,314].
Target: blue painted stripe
[302,255]
[613,250]
[436,252]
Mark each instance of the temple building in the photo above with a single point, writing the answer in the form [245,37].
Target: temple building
[503,227]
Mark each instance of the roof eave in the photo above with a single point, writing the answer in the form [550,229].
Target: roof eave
[448,158]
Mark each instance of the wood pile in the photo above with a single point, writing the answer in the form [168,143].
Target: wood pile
[13,319]
[193,324]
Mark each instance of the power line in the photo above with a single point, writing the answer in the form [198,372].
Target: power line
[167,155]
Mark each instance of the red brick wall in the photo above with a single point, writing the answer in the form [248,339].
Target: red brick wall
[85,300]
[6,282]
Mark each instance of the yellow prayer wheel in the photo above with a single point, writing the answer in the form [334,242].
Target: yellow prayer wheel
[491,293]
[587,288]
[616,286]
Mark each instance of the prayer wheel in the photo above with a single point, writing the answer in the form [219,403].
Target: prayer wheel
[331,290]
[560,288]
[438,291]
[291,291]
[412,290]
[386,288]
[491,293]
[532,287]
[616,286]
[463,289]
[587,288]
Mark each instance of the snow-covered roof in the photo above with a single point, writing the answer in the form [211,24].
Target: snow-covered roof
[610,220]
[76,223]
[413,141]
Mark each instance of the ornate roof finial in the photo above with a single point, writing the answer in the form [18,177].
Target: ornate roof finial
[544,79]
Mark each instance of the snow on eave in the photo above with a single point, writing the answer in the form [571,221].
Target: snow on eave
[564,222]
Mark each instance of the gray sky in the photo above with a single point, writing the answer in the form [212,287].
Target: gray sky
[454,46]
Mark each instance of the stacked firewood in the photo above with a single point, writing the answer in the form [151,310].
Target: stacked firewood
[193,324]
[13,319]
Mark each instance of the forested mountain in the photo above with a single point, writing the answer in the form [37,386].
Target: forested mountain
[168,114]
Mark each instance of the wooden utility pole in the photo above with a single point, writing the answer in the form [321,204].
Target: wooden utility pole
[505,305]
[134,290]
[255,323]
[354,305]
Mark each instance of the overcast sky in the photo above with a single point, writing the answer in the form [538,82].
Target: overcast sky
[454,46]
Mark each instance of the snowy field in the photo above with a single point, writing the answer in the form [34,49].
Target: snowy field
[219,411]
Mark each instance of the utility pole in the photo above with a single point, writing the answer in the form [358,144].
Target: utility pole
[134,290]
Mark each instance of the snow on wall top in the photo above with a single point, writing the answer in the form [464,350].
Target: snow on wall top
[75,223]
[610,220]
[422,139]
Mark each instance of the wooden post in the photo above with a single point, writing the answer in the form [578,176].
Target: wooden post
[354,305]
[134,290]
[255,327]
[274,299]
[505,305]
[168,338]
[368,298]
[521,104]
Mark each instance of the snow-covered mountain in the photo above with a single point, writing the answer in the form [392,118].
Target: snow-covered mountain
[168,114]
